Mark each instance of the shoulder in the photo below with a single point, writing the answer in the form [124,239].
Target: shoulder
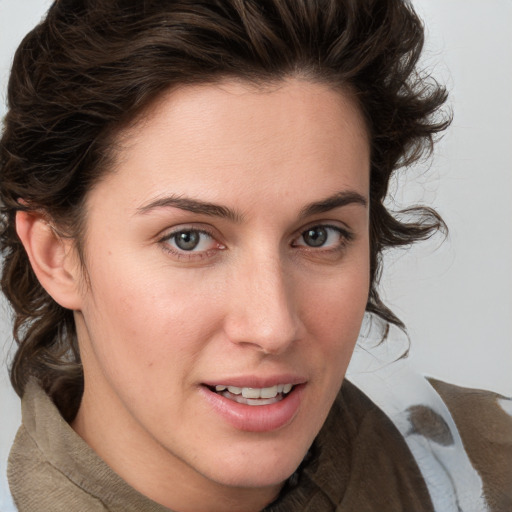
[39,468]
[37,485]
[484,421]
[460,438]
[51,468]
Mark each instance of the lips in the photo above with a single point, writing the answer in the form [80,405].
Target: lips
[254,408]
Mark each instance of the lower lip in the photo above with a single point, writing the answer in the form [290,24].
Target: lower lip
[256,418]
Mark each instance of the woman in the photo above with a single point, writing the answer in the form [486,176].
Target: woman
[193,224]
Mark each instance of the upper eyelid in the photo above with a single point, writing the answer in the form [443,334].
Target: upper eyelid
[170,232]
[178,253]
[346,237]
[343,228]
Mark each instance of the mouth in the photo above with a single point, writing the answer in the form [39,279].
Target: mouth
[253,396]
[256,409]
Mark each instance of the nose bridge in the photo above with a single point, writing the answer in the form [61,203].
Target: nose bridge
[263,310]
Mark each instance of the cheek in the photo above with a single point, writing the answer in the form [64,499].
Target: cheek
[336,305]
[333,312]
[149,320]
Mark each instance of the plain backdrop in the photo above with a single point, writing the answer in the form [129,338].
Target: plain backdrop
[454,296]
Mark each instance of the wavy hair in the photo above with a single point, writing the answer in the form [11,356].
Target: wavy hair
[93,65]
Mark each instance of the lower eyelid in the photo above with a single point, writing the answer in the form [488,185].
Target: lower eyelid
[344,234]
[168,244]
[173,234]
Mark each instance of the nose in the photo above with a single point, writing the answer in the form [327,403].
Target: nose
[263,310]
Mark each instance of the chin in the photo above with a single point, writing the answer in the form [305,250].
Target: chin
[266,466]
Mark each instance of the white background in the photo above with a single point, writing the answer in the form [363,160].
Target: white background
[455,297]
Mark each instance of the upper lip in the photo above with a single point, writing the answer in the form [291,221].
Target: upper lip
[253,381]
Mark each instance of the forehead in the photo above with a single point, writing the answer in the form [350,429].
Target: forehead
[233,136]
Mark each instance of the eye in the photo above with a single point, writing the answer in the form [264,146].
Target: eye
[323,236]
[190,241]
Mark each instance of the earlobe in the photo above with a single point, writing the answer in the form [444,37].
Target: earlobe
[52,258]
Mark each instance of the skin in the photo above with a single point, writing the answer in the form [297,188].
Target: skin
[252,300]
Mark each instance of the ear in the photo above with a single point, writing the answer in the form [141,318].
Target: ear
[53,258]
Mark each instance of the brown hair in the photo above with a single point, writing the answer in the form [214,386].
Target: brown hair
[92,65]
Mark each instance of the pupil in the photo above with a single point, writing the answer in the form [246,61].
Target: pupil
[187,240]
[315,237]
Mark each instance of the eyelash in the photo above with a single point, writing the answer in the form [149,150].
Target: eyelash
[184,254]
[345,238]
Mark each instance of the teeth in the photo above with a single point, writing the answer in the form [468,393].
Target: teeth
[255,393]
[251,393]
[268,392]
[259,392]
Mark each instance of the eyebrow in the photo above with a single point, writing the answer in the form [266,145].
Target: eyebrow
[335,201]
[192,205]
[214,210]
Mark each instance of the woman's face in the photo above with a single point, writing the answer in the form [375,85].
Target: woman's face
[228,261]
